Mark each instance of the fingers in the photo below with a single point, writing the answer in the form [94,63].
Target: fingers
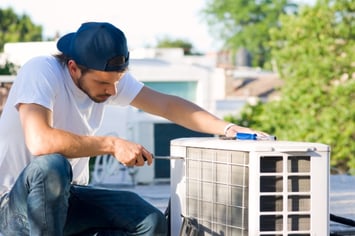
[139,159]
[147,156]
[233,130]
[131,154]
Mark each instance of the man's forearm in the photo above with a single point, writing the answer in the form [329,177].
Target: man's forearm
[71,145]
[196,118]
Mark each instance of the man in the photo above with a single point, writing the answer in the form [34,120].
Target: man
[46,138]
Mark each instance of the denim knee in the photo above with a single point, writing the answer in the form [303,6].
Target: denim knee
[155,222]
[49,178]
[159,221]
[54,168]
[39,197]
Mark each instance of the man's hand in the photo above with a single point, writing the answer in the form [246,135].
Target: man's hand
[233,130]
[131,154]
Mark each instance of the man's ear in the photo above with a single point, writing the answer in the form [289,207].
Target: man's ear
[74,70]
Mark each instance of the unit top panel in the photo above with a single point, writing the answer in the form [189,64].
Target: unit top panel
[251,145]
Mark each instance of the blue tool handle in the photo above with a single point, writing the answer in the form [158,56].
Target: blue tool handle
[246,136]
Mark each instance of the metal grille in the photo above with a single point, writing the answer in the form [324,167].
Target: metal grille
[250,188]
[217,191]
[285,195]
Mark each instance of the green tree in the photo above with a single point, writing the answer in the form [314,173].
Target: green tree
[314,52]
[15,28]
[8,69]
[167,42]
[245,23]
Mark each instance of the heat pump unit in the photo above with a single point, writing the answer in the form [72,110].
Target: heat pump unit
[255,188]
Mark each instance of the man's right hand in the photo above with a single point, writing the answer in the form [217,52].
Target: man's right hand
[131,154]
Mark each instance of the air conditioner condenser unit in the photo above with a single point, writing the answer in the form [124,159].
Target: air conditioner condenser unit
[250,188]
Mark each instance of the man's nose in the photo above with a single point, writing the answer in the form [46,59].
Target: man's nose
[111,90]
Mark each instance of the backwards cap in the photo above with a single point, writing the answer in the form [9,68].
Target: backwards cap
[96,45]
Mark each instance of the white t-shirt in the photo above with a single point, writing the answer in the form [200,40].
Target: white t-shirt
[44,81]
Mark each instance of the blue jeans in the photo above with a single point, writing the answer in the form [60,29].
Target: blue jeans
[44,202]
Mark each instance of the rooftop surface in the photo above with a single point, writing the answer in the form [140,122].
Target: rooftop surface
[342,199]
[342,202]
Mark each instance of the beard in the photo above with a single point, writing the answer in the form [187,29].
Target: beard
[99,98]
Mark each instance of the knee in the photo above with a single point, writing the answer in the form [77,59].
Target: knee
[155,224]
[160,224]
[54,169]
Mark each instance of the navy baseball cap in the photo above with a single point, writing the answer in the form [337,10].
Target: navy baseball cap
[96,45]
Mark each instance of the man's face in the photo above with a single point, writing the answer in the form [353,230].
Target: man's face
[99,85]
